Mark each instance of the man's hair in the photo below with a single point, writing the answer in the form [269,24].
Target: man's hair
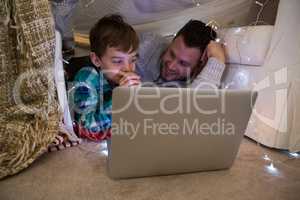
[112,31]
[196,34]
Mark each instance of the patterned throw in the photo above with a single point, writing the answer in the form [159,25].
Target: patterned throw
[29,113]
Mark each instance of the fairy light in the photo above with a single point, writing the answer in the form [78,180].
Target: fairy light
[294,155]
[228,85]
[103,148]
[89,3]
[197,3]
[214,27]
[103,145]
[266,157]
[104,152]
[259,3]
[65,61]
[213,24]
[272,169]
[262,6]
[238,30]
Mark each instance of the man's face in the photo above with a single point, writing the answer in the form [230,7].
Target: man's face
[179,60]
[115,61]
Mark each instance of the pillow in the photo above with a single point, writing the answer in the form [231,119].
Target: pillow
[246,45]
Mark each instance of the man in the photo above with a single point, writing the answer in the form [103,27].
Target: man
[192,59]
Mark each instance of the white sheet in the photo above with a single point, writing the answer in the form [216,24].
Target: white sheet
[162,17]
[67,125]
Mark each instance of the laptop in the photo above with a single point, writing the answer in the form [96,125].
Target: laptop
[163,131]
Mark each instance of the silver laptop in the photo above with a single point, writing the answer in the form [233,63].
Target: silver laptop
[161,131]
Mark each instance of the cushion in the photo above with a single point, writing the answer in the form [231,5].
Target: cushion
[246,45]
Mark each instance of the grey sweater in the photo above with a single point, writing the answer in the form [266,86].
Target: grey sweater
[148,65]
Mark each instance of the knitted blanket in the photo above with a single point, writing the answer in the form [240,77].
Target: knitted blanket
[29,113]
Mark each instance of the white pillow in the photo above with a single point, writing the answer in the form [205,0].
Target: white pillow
[246,45]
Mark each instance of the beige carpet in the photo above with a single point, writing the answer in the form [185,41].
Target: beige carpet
[80,173]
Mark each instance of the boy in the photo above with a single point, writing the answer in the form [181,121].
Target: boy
[114,45]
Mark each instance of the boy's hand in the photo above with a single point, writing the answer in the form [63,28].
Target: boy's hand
[129,79]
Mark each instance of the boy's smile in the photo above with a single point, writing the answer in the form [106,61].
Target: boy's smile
[114,62]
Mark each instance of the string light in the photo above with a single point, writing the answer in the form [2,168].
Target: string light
[259,3]
[104,152]
[213,24]
[294,155]
[65,61]
[89,3]
[197,2]
[266,157]
[272,169]
[103,148]
[103,145]
[261,9]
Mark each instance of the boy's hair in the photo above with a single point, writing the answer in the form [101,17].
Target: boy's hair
[196,34]
[112,31]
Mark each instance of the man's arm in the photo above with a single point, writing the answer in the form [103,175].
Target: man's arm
[216,50]
[211,74]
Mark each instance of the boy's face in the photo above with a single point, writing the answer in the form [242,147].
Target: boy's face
[114,62]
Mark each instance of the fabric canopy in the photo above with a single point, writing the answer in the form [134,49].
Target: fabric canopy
[164,17]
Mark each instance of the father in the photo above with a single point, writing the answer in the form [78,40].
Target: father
[192,59]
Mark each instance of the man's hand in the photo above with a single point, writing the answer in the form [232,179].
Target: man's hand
[214,49]
[129,79]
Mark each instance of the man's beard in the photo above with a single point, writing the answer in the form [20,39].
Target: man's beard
[166,74]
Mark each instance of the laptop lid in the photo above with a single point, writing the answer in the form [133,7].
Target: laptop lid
[160,131]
